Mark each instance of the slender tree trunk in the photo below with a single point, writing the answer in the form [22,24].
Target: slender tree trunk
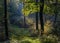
[37,22]
[6,22]
[37,18]
[41,16]
[24,21]
[24,17]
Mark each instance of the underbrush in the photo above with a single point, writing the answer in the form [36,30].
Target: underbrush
[21,35]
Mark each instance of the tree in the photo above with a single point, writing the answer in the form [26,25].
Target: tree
[37,18]
[31,8]
[5,18]
[41,16]
[24,17]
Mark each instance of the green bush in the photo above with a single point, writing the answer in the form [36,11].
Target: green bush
[25,42]
[50,39]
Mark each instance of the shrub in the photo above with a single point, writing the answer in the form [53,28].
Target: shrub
[25,42]
[50,39]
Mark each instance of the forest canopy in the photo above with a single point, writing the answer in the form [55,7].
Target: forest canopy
[31,6]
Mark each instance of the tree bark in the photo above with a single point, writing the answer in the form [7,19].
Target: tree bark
[37,23]
[24,17]
[24,21]
[5,18]
[41,16]
[37,18]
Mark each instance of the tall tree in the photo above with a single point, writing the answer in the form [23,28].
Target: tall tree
[41,16]
[5,18]
[37,18]
[24,16]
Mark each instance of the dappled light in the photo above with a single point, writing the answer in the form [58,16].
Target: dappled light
[29,21]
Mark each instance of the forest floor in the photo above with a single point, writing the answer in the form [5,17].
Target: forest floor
[22,35]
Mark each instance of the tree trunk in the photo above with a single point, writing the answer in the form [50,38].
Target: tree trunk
[24,21]
[41,16]
[24,17]
[37,23]
[5,18]
[37,18]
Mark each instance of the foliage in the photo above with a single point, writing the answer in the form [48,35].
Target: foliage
[50,39]
[56,30]
[1,9]
[26,40]
[32,40]
[30,8]
[20,34]
[17,33]
[48,27]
